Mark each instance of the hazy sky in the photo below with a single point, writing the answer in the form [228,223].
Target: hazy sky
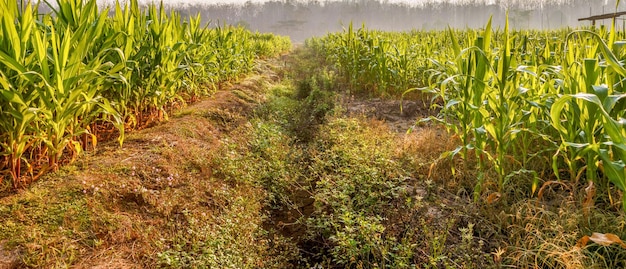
[244,1]
[390,1]
[533,3]
[241,1]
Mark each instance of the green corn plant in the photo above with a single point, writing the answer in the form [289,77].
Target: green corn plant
[598,134]
[73,81]
[63,74]
[196,58]
[516,99]
[18,103]
[611,150]
[40,91]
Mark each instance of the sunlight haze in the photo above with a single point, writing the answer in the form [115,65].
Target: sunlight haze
[301,19]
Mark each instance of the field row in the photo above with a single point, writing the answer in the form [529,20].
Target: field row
[535,106]
[82,73]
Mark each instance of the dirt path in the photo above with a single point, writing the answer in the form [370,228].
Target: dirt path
[224,185]
[120,207]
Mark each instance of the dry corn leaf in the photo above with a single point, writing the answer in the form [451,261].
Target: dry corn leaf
[588,203]
[430,170]
[548,184]
[493,197]
[601,239]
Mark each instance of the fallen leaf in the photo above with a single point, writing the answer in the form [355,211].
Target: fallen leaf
[601,239]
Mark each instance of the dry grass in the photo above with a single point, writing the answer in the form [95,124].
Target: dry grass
[519,229]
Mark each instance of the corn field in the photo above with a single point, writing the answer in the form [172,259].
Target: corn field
[71,77]
[543,105]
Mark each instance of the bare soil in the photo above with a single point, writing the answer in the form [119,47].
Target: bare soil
[399,115]
[8,259]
